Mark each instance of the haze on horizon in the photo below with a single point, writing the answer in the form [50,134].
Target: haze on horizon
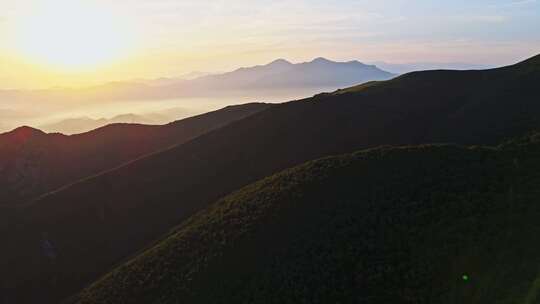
[79,43]
[269,151]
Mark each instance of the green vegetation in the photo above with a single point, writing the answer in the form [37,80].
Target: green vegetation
[424,224]
[100,221]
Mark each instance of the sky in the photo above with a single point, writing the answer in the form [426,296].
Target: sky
[59,43]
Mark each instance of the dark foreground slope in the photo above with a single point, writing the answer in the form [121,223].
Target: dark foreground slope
[425,224]
[33,162]
[97,222]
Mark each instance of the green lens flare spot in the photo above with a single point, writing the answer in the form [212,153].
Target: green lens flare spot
[465,277]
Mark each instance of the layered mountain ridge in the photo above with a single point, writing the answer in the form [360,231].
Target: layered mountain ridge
[33,162]
[113,215]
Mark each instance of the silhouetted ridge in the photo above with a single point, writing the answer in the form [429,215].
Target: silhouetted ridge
[533,61]
[281,62]
[24,131]
[321,60]
[426,224]
[20,135]
[53,160]
[281,74]
[112,215]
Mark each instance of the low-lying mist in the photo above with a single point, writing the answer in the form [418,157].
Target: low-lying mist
[75,116]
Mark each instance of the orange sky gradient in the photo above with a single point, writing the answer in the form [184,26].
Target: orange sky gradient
[64,43]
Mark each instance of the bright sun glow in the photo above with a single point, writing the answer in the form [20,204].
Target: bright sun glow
[72,34]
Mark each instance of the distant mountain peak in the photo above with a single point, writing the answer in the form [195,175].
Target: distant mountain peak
[26,130]
[359,62]
[24,133]
[321,60]
[280,61]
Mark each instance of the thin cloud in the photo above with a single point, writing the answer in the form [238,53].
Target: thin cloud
[489,19]
[480,18]
[522,2]
[514,4]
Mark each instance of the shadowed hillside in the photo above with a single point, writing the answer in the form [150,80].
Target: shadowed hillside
[113,215]
[33,163]
[426,224]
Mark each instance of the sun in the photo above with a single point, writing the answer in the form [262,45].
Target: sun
[72,34]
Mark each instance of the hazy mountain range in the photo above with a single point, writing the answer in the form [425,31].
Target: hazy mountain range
[276,81]
[277,75]
[392,225]
[33,162]
[282,74]
[84,124]
[172,80]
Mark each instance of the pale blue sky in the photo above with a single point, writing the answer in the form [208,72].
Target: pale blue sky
[178,36]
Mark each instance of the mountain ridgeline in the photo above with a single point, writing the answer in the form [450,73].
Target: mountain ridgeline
[80,125]
[277,78]
[33,163]
[98,222]
[425,224]
[281,74]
